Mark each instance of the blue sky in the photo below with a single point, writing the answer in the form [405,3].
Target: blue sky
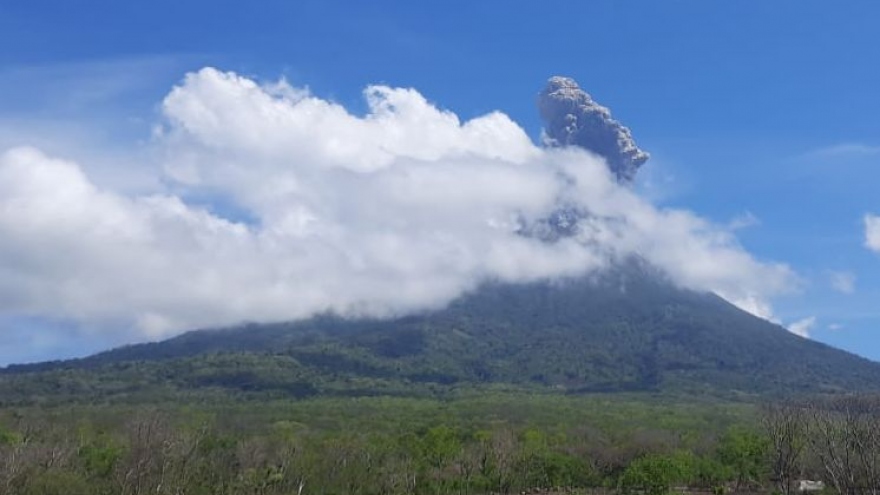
[758,115]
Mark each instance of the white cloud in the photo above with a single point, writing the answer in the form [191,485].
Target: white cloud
[835,327]
[84,87]
[872,232]
[803,327]
[843,282]
[744,221]
[844,150]
[402,209]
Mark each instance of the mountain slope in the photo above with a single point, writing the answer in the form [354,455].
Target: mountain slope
[628,330]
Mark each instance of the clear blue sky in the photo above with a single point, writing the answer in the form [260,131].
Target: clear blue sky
[751,109]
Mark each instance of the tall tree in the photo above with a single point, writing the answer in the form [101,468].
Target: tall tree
[785,425]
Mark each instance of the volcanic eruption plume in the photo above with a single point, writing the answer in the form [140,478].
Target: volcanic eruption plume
[572,118]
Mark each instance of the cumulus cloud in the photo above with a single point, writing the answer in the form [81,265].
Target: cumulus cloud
[872,232]
[803,327]
[399,210]
[843,282]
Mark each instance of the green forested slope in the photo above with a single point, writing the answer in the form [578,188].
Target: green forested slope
[628,331]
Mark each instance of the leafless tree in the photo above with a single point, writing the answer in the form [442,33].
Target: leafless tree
[785,425]
[844,435]
[148,461]
[865,427]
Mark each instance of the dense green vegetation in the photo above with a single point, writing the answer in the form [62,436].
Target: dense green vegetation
[500,443]
[495,443]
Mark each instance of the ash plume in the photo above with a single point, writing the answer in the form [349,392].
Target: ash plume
[572,118]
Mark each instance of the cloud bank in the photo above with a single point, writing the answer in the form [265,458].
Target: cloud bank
[279,205]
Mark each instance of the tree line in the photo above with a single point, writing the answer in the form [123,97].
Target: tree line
[835,440]
[153,453]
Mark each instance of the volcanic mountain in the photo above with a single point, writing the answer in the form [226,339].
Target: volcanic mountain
[627,328]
